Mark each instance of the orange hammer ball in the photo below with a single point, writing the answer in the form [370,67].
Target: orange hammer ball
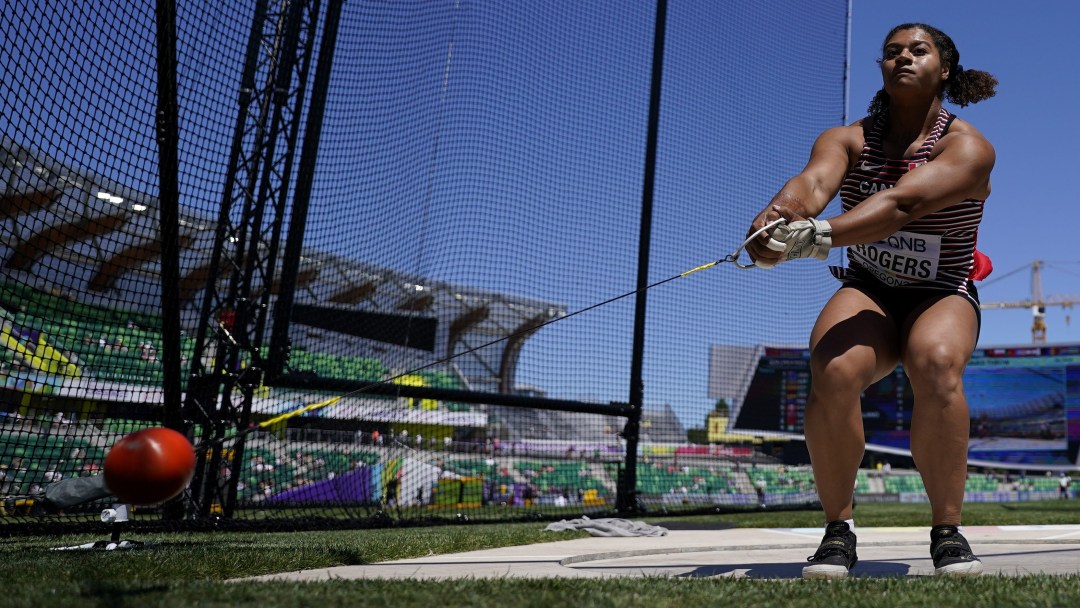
[150,466]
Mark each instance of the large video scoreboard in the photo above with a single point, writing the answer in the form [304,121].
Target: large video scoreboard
[1024,403]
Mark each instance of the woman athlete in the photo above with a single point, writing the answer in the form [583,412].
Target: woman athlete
[912,179]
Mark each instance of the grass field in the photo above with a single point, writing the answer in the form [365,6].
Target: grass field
[192,570]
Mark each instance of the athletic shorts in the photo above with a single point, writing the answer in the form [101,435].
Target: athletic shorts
[900,302]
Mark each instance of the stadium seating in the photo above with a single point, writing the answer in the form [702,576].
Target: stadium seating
[561,476]
[980,483]
[664,479]
[896,483]
[862,482]
[116,345]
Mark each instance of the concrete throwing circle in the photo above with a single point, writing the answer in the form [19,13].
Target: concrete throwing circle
[883,551]
[760,553]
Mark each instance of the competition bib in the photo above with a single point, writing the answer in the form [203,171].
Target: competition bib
[902,259]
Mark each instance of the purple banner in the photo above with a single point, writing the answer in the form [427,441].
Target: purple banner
[354,486]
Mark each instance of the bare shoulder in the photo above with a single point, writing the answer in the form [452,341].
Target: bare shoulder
[966,148]
[850,137]
[959,125]
[964,137]
[854,132]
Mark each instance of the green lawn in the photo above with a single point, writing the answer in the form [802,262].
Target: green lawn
[190,570]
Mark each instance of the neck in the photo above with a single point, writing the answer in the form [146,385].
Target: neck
[908,122]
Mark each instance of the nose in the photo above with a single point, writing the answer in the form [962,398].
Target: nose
[904,56]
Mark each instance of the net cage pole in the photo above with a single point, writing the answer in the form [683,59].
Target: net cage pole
[260,281]
[256,189]
[627,491]
[168,135]
[205,386]
[305,175]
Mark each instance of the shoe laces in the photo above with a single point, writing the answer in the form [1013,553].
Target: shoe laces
[950,543]
[952,550]
[827,552]
[829,549]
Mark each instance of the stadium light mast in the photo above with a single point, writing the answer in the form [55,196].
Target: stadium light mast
[1036,302]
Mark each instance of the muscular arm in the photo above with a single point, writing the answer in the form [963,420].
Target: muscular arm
[807,194]
[960,169]
[811,190]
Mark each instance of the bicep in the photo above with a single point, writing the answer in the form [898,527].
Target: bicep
[960,171]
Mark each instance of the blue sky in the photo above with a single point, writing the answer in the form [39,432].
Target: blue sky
[1033,124]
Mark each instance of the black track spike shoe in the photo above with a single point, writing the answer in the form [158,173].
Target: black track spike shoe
[835,556]
[952,554]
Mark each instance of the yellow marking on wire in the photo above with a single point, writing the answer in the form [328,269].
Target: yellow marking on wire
[297,412]
[702,267]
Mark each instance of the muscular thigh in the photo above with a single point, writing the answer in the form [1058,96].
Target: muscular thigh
[854,340]
[939,335]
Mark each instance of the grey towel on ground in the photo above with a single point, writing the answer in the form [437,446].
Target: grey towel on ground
[76,491]
[608,526]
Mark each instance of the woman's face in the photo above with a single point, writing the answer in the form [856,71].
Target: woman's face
[910,63]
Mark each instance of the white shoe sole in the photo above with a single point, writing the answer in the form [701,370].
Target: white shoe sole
[972,568]
[824,571]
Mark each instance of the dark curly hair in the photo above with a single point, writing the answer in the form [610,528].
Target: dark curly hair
[963,86]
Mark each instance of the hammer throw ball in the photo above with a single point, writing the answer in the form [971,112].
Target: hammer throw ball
[150,466]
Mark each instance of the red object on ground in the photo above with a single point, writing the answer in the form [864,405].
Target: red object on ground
[149,466]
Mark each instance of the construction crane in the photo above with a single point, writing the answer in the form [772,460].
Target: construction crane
[1037,302]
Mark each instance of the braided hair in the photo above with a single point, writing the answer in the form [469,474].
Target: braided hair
[963,86]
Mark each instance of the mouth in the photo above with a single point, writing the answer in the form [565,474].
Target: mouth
[903,72]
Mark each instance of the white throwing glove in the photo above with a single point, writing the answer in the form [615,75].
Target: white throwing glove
[775,246]
[802,239]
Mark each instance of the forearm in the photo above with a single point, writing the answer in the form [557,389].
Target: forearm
[874,219]
[802,196]
[962,171]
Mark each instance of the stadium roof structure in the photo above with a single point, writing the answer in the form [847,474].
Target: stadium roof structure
[464,318]
[343,282]
[106,234]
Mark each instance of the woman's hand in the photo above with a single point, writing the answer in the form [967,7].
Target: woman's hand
[765,251]
[801,238]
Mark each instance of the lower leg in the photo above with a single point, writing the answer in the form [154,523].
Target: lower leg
[938,345]
[939,443]
[834,438]
[853,344]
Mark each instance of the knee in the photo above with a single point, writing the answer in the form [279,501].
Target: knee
[840,374]
[938,370]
